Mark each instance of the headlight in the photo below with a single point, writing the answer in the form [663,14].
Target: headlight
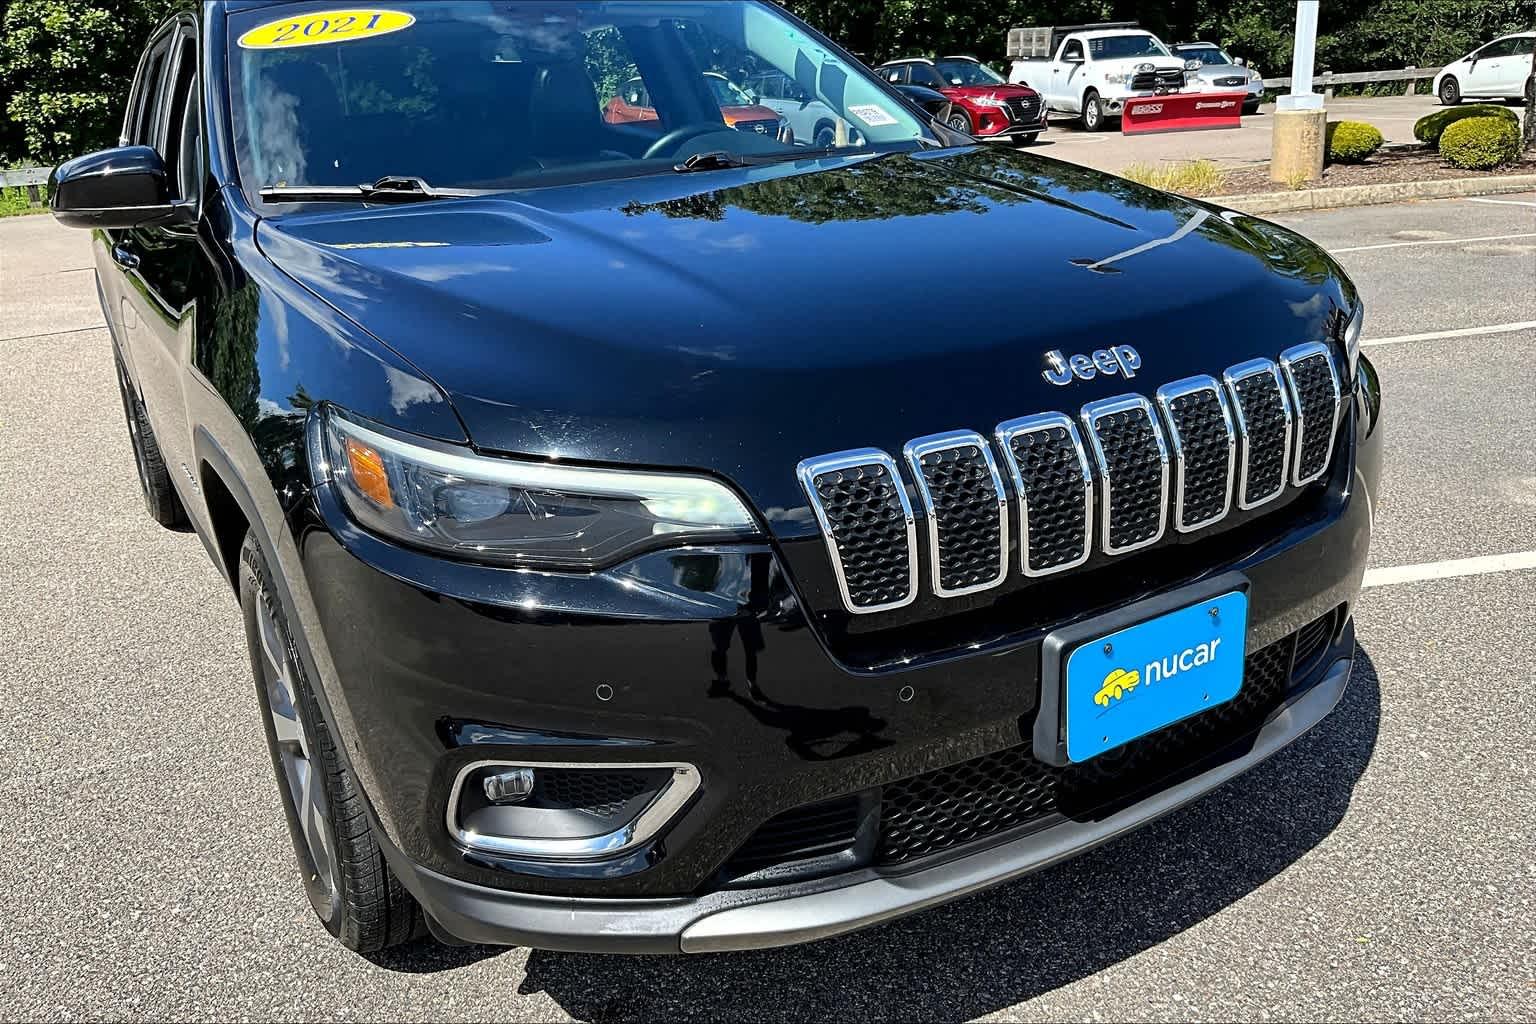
[1352,339]
[510,512]
[988,101]
[1114,78]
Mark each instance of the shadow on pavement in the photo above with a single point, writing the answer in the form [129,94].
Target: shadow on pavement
[1013,943]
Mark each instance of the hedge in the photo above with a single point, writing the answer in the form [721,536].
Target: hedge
[1430,127]
[1352,142]
[1481,143]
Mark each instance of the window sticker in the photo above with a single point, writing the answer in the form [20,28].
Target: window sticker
[872,115]
[325,27]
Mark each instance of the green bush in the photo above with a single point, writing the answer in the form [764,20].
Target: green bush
[1430,127]
[1481,143]
[1352,142]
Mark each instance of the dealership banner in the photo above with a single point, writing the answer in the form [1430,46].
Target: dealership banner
[1182,112]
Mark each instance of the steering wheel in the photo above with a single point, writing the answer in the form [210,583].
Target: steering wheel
[679,135]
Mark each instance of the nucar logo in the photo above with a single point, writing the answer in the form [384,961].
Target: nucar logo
[1120,682]
[1061,370]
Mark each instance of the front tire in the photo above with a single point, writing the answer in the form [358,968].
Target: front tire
[1450,91]
[160,498]
[1093,112]
[350,887]
[1028,137]
[960,121]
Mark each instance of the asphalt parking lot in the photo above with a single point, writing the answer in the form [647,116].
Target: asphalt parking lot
[1383,867]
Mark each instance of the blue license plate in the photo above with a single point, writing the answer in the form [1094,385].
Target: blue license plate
[1153,674]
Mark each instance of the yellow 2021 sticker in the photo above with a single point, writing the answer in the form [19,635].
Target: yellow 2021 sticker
[325,27]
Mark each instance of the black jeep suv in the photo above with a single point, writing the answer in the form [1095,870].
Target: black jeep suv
[638,549]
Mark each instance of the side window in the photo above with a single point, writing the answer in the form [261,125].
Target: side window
[922,74]
[613,71]
[1073,50]
[183,146]
[144,115]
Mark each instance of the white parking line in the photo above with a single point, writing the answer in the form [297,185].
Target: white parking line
[1503,202]
[1481,566]
[1460,332]
[1432,241]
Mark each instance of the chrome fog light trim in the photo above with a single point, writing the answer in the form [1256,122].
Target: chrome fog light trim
[664,806]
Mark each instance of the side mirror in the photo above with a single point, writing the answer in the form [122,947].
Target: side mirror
[1241,62]
[127,187]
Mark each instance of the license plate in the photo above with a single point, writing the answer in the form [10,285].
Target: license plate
[1155,673]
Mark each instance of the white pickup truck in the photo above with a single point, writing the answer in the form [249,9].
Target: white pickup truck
[1091,70]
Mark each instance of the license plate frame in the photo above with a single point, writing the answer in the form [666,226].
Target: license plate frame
[1050,739]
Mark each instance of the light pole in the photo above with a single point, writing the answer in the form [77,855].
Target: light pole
[1301,122]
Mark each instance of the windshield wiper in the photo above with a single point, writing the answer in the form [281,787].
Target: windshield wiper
[714,160]
[392,188]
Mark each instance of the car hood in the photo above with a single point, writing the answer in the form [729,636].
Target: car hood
[1000,91]
[736,115]
[739,321]
[1220,71]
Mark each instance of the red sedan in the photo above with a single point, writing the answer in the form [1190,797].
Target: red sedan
[984,104]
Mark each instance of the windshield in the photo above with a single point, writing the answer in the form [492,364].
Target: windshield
[968,72]
[490,94]
[1207,55]
[1118,47]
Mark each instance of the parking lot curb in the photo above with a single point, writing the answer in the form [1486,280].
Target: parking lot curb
[1374,195]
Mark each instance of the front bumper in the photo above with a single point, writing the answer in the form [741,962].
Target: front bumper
[760,919]
[1016,131]
[706,657]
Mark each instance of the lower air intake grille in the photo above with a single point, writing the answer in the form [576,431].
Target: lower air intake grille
[800,834]
[868,523]
[599,793]
[1008,790]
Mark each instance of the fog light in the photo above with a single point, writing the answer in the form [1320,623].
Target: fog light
[509,787]
[560,810]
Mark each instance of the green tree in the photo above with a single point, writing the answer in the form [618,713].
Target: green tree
[65,69]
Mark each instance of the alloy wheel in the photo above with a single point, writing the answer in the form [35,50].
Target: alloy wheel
[960,123]
[300,769]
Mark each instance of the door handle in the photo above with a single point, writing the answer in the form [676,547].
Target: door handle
[125,257]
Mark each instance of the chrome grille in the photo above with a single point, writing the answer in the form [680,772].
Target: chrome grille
[1232,83]
[1050,469]
[862,507]
[1264,425]
[1025,109]
[1203,448]
[1132,464]
[966,509]
[1317,397]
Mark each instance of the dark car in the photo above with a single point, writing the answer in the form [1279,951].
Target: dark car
[935,103]
[984,104]
[638,550]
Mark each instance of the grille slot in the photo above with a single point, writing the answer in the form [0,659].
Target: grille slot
[966,511]
[862,506]
[1050,474]
[1204,451]
[800,834]
[600,793]
[1132,461]
[1316,395]
[1264,424]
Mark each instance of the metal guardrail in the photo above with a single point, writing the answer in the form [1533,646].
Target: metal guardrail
[31,178]
[1328,80]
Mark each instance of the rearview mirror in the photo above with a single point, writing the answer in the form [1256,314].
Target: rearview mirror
[127,187]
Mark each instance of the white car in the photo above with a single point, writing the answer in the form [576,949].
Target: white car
[1221,72]
[1500,70]
[813,122]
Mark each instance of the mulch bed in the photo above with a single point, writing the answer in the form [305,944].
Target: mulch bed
[1388,166]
